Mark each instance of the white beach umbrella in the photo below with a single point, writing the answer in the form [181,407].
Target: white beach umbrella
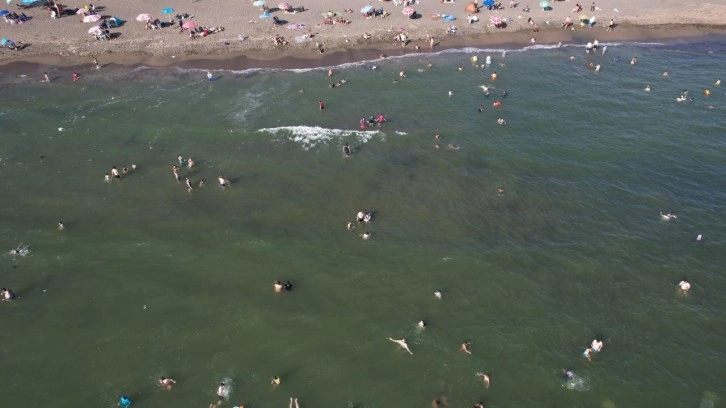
[144,18]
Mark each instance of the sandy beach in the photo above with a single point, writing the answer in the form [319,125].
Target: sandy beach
[247,39]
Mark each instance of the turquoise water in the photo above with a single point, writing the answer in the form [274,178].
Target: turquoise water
[149,280]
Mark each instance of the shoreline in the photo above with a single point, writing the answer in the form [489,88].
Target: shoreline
[296,57]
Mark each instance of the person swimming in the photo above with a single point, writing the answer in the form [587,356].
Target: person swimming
[347,150]
[61,226]
[438,294]
[275,380]
[124,401]
[668,216]
[166,382]
[223,182]
[684,285]
[596,345]
[350,226]
[567,374]
[366,235]
[421,324]
[480,108]
[647,88]
[465,347]
[402,343]
[485,379]
[287,285]
[504,93]
[277,285]
[7,294]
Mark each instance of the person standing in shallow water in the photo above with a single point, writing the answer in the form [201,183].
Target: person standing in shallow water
[321,105]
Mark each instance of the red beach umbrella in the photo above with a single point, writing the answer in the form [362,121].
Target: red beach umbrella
[189,24]
[284,6]
[408,11]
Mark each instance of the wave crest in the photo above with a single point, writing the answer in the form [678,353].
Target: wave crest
[311,136]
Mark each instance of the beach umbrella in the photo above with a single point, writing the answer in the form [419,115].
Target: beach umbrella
[488,3]
[471,8]
[544,4]
[91,19]
[366,9]
[189,24]
[29,1]
[94,29]
[10,1]
[144,18]
[284,6]
[408,11]
[167,10]
[496,20]
[265,15]
[258,3]
[4,41]
[4,12]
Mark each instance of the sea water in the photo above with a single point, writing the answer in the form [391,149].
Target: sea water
[148,279]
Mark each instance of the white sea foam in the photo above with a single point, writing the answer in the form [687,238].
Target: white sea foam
[311,136]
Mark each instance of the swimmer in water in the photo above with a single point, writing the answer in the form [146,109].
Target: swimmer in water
[188,184]
[451,94]
[438,294]
[360,217]
[347,150]
[114,172]
[175,170]
[223,182]
[402,343]
[718,82]
[452,146]
[596,346]
[296,403]
[437,146]
[500,191]
[647,88]
[421,324]
[277,286]
[190,163]
[501,121]
[699,238]
[106,178]
[202,183]
[350,226]
[7,294]
[480,108]
[567,374]
[167,383]
[465,347]
[684,285]
[484,378]
[124,401]
[504,93]
[222,393]
[275,381]
[287,285]
[366,235]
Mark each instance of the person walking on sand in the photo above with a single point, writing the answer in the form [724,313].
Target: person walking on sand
[465,347]
[485,379]
[402,343]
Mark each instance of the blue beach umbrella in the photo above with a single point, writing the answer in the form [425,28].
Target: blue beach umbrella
[488,3]
[10,1]
[29,1]
[4,12]
[258,3]
[167,10]
[265,15]
[3,41]
[366,9]
[544,4]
